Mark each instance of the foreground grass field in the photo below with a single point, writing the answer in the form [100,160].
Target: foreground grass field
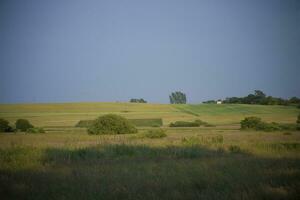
[218,162]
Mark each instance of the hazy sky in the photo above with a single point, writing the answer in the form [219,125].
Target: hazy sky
[85,50]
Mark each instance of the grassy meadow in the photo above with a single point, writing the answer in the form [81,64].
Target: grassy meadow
[218,162]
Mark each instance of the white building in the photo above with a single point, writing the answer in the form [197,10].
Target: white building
[219,102]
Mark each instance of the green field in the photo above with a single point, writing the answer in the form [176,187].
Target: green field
[219,162]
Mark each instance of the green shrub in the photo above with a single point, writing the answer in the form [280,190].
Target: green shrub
[290,127]
[200,122]
[23,124]
[84,123]
[257,124]
[156,122]
[298,119]
[234,149]
[4,126]
[184,124]
[209,125]
[111,124]
[193,140]
[268,126]
[35,130]
[251,123]
[156,133]
[195,123]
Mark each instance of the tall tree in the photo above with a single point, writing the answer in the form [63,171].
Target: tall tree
[177,98]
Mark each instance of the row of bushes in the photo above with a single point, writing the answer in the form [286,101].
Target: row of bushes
[196,123]
[155,122]
[20,125]
[115,124]
[255,123]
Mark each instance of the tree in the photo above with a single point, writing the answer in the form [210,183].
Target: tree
[23,124]
[137,101]
[177,98]
[259,93]
[294,100]
[4,126]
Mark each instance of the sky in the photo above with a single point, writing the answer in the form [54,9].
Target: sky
[114,50]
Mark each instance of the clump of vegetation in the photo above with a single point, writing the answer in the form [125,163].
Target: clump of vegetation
[35,130]
[193,140]
[184,124]
[203,123]
[111,124]
[234,149]
[250,123]
[156,133]
[155,122]
[256,123]
[84,123]
[137,101]
[23,124]
[203,140]
[4,126]
[195,123]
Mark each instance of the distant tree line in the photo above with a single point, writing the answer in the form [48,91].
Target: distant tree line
[177,98]
[260,98]
[212,101]
[137,101]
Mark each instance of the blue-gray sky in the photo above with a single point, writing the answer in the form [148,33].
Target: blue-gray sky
[93,50]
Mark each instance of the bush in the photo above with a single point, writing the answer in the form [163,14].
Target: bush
[290,127]
[268,126]
[156,122]
[257,124]
[234,149]
[200,122]
[195,123]
[111,124]
[35,130]
[184,124]
[251,123]
[298,119]
[156,133]
[4,126]
[23,124]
